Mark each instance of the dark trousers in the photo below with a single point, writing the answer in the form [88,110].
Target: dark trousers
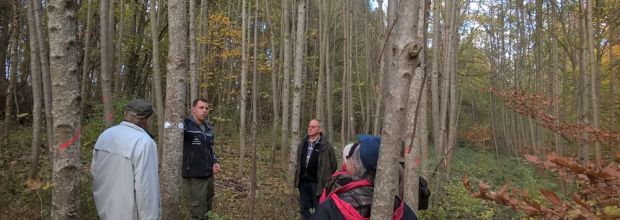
[199,194]
[308,199]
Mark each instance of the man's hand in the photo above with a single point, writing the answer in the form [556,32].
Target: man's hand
[216,168]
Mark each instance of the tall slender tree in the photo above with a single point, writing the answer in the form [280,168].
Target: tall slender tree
[35,73]
[242,94]
[296,113]
[405,49]
[416,120]
[177,68]
[255,83]
[45,70]
[62,24]
[193,65]
[86,62]
[286,65]
[10,90]
[107,66]
[274,85]
[376,126]
[156,66]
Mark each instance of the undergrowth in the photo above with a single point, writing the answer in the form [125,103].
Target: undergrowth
[232,191]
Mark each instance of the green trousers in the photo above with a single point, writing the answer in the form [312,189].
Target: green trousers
[199,194]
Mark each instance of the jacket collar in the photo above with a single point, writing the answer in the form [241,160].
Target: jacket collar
[134,126]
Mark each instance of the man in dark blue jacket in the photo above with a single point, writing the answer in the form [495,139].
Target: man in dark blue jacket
[199,161]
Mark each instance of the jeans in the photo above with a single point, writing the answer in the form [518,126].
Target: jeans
[308,199]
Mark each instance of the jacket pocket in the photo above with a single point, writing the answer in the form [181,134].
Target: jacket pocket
[189,161]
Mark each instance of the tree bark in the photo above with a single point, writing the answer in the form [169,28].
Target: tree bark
[416,120]
[118,60]
[594,79]
[242,94]
[435,76]
[286,65]
[86,64]
[319,105]
[63,70]
[328,74]
[299,57]
[45,72]
[254,115]
[274,85]
[193,72]
[35,73]
[177,68]
[10,90]
[107,66]
[376,125]
[406,52]
[156,65]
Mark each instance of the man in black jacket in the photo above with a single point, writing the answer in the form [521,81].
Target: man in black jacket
[199,160]
[316,161]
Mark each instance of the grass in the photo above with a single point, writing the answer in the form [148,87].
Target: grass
[480,164]
[232,191]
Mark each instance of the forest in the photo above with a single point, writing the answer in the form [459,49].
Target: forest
[509,108]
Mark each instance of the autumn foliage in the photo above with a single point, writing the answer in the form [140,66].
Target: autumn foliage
[534,106]
[597,197]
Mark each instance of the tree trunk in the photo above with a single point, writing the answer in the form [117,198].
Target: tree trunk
[254,115]
[63,70]
[328,75]
[299,58]
[344,122]
[349,72]
[319,105]
[193,66]
[106,62]
[10,90]
[416,121]
[35,73]
[274,86]
[406,53]
[594,79]
[45,72]
[376,126]
[583,70]
[175,94]
[156,65]
[286,63]
[86,64]
[613,80]
[118,48]
[244,72]
[555,92]
[435,77]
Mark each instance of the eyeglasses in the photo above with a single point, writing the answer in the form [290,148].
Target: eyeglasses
[353,148]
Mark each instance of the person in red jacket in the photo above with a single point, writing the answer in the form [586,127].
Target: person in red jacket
[351,196]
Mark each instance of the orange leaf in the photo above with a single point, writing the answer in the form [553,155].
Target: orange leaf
[551,196]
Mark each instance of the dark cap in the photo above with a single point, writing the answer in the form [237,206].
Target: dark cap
[140,107]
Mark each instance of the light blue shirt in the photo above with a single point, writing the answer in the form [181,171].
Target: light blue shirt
[125,174]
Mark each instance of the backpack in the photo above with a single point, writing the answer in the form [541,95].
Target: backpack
[424,193]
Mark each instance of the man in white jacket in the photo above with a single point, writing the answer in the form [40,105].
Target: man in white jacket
[124,168]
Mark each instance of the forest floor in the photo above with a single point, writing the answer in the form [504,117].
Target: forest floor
[20,200]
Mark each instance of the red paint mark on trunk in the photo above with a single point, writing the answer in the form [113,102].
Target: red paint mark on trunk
[70,142]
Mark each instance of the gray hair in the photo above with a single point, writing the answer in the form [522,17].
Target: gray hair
[358,169]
